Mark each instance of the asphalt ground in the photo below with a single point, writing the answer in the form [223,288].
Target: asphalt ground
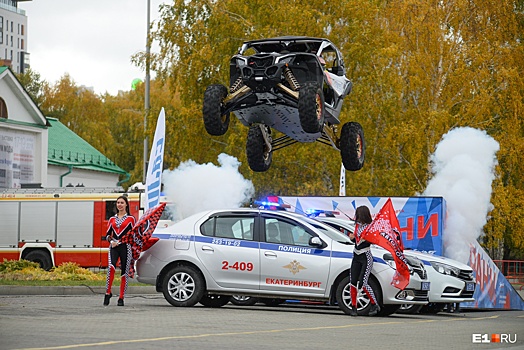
[147,321]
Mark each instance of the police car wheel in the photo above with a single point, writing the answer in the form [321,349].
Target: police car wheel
[409,309]
[243,300]
[271,301]
[183,286]
[343,297]
[432,308]
[212,300]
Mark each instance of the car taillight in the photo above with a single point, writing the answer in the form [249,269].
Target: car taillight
[149,243]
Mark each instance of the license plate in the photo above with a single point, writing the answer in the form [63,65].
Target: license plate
[425,285]
[470,286]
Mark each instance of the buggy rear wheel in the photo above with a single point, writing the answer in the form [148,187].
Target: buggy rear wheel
[352,146]
[311,107]
[259,154]
[215,122]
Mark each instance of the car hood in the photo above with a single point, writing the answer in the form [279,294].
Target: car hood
[427,257]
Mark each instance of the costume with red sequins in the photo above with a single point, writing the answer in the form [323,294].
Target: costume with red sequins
[117,228]
[361,266]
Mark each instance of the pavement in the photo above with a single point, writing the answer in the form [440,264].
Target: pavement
[70,290]
[88,290]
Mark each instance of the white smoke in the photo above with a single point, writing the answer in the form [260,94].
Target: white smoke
[463,167]
[193,187]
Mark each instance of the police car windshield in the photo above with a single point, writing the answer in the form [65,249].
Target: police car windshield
[329,231]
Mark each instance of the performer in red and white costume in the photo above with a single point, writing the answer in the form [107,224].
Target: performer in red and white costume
[362,262]
[118,226]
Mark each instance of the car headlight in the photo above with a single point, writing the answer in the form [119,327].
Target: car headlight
[388,258]
[241,61]
[445,269]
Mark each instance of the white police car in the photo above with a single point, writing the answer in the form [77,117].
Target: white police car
[451,281]
[210,256]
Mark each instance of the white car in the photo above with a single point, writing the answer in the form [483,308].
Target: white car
[210,256]
[451,281]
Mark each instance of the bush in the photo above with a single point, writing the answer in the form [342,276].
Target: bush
[17,265]
[23,270]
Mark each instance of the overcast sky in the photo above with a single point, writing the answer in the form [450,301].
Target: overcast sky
[91,40]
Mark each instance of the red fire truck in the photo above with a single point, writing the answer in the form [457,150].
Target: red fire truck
[55,225]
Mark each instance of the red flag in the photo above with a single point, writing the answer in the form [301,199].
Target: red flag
[385,232]
[142,231]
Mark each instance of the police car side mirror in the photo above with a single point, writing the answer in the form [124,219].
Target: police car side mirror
[315,241]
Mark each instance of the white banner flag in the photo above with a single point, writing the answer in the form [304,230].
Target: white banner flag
[156,164]
[342,191]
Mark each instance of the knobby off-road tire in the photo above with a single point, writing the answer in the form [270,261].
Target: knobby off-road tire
[215,122]
[311,107]
[352,146]
[183,286]
[259,156]
[212,300]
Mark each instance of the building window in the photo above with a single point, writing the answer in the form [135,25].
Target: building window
[22,44]
[22,29]
[3,109]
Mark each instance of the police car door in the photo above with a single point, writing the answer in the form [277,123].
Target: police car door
[228,250]
[287,262]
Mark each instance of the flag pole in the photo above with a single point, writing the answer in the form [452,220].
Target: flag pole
[342,190]
[146,97]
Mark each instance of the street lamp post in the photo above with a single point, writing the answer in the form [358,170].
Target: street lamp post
[146,98]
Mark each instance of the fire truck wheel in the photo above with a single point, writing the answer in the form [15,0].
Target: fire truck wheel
[40,257]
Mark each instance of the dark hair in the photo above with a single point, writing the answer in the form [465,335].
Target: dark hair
[127,204]
[362,215]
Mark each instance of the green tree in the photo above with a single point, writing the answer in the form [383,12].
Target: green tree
[34,85]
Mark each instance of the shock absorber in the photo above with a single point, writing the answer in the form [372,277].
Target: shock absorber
[236,85]
[290,78]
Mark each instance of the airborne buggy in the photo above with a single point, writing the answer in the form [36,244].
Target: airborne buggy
[293,84]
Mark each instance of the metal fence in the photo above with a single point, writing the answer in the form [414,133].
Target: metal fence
[513,270]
